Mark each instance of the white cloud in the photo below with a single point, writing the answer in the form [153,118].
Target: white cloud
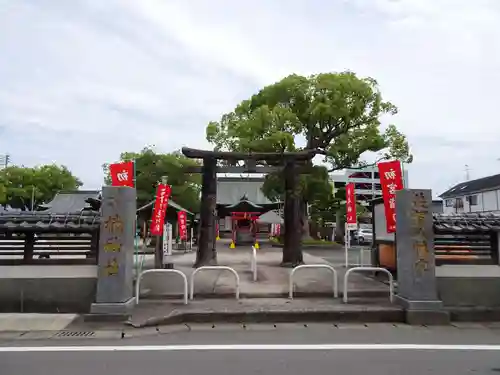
[84,80]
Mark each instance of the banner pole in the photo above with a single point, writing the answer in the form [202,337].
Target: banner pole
[346,246]
[169,265]
[403,174]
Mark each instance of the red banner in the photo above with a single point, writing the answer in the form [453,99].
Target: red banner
[122,174]
[350,207]
[182,222]
[391,180]
[160,208]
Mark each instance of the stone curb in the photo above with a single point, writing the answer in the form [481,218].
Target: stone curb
[474,314]
[354,316]
[384,315]
[86,334]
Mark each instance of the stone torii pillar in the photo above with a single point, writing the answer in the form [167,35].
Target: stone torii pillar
[115,279]
[417,285]
[207,252]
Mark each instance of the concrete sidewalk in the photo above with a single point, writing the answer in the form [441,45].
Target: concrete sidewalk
[272,281]
[35,322]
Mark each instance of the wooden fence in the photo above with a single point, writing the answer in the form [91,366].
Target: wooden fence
[466,248]
[37,238]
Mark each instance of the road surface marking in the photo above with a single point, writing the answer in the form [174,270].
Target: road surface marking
[173,348]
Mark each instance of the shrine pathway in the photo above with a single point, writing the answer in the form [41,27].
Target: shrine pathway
[272,280]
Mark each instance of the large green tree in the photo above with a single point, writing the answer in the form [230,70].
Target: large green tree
[19,185]
[338,114]
[152,166]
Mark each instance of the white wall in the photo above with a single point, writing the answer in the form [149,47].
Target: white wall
[488,201]
[48,271]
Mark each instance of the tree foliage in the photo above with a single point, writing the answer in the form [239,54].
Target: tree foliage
[18,185]
[151,167]
[338,114]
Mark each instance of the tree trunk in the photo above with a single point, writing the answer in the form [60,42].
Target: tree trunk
[207,253]
[292,247]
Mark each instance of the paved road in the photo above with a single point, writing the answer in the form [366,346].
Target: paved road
[317,349]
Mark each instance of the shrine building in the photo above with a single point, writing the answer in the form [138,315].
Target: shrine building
[240,205]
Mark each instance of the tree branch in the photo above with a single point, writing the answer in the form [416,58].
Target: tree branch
[358,168]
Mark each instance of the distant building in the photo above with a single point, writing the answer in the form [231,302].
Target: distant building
[366,182]
[481,195]
[437,206]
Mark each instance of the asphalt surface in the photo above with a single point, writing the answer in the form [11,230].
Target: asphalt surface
[228,349]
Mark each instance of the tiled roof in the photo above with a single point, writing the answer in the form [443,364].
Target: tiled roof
[71,201]
[231,190]
[170,203]
[468,222]
[481,184]
[42,221]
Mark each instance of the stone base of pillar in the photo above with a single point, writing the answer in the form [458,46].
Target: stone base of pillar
[427,317]
[116,309]
[424,312]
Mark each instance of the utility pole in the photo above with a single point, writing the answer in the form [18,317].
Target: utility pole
[467,174]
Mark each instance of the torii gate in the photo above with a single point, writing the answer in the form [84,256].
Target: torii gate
[289,162]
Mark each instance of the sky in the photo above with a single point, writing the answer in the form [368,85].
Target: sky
[83,80]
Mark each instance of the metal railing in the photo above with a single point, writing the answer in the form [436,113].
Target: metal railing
[370,269]
[215,268]
[324,266]
[177,272]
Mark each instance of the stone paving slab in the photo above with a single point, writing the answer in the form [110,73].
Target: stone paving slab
[273,280]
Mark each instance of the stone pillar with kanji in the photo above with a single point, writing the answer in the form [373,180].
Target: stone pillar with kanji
[115,292]
[417,286]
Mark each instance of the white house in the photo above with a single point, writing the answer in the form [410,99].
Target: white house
[481,195]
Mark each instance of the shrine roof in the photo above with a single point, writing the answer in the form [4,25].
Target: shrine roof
[43,221]
[244,203]
[231,190]
[170,203]
[71,201]
[270,217]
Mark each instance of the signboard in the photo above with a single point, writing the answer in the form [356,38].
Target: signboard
[160,208]
[182,222]
[351,220]
[122,174]
[391,180]
[167,240]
